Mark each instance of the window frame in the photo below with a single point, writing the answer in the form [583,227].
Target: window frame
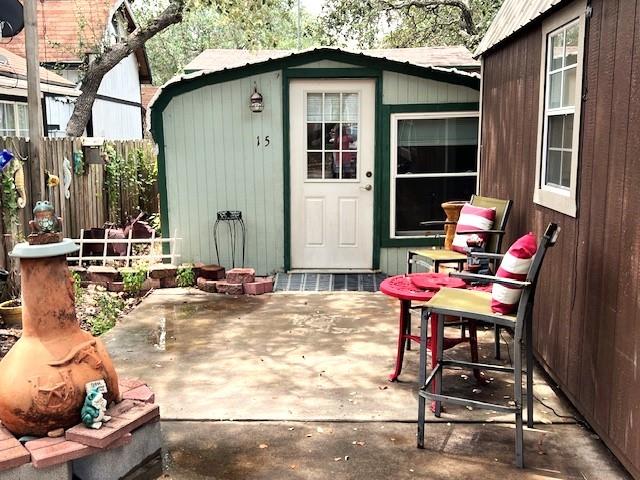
[393,164]
[17,127]
[560,199]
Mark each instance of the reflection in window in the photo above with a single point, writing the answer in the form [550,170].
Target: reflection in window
[332,135]
[435,161]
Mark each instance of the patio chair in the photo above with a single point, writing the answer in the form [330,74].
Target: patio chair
[476,305]
[436,257]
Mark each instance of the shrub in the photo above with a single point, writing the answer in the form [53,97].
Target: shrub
[133,278]
[185,276]
[109,308]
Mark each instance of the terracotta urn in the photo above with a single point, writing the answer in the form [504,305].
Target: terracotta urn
[452,211]
[43,377]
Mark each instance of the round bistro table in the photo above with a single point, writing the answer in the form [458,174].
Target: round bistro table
[421,287]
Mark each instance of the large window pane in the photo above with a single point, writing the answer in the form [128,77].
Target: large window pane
[556,128]
[437,145]
[314,107]
[571,49]
[569,88]
[350,107]
[420,199]
[554,166]
[331,107]
[557,51]
[555,90]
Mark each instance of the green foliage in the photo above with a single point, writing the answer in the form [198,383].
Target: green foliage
[185,276]
[383,23]
[109,308]
[135,175]
[248,24]
[133,278]
[9,201]
[78,292]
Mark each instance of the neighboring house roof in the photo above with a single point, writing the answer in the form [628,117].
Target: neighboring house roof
[70,29]
[512,17]
[217,59]
[13,77]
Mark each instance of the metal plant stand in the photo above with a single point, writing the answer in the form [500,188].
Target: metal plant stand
[236,230]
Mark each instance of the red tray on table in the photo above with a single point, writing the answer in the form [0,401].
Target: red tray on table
[435,281]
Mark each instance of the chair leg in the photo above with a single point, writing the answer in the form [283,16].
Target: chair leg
[422,375]
[529,347]
[517,396]
[496,335]
[439,354]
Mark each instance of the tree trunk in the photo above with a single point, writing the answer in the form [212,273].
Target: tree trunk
[103,63]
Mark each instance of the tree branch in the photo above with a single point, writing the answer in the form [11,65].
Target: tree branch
[465,11]
[104,62]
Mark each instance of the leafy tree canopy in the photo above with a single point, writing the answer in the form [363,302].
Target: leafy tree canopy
[406,23]
[249,24]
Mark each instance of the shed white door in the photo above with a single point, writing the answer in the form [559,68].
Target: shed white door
[332,157]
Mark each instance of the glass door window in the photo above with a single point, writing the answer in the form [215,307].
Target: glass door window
[332,121]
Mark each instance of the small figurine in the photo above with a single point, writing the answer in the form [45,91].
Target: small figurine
[66,177]
[94,408]
[44,218]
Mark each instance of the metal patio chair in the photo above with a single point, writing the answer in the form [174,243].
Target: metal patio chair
[436,257]
[476,305]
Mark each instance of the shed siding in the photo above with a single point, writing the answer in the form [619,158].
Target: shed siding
[116,121]
[587,310]
[401,89]
[214,163]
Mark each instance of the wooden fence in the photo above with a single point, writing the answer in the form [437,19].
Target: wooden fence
[89,204]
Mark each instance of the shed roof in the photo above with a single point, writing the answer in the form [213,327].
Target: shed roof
[69,28]
[13,72]
[216,59]
[512,17]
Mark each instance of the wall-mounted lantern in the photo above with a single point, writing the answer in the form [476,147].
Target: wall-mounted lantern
[257,103]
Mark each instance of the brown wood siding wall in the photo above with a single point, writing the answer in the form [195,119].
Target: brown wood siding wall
[587,306]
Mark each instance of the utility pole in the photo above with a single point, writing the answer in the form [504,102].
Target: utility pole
[34,101]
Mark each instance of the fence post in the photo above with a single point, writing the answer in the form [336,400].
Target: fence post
[129,247]
[81,247]
[104,251]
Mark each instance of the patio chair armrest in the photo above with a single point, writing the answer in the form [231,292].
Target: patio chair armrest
[478,232]
[498,256]
[509,282]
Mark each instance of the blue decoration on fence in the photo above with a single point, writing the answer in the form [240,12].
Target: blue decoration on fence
[5,158]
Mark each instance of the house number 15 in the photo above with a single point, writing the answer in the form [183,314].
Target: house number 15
[266,141]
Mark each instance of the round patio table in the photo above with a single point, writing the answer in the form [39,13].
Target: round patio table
[421,287]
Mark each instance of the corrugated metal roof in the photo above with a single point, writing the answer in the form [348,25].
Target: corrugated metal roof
[512,16]
[217,59]
[244,58]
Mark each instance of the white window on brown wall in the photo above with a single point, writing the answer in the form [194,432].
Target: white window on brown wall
[559,121]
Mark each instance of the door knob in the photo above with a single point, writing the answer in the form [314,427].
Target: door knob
[367,188]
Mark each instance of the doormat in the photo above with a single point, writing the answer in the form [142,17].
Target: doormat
[328,282]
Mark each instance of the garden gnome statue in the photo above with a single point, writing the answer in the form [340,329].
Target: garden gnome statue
[44,376]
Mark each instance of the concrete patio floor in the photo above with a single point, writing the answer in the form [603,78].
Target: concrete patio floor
[295,386]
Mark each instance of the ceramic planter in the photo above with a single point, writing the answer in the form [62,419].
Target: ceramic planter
[11,313]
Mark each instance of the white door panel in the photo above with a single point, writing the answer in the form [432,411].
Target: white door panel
[332,156]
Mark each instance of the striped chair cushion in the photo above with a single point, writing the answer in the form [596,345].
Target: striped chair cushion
[515,265]
[472,218]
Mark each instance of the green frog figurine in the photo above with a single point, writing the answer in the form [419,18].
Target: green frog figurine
[94,408]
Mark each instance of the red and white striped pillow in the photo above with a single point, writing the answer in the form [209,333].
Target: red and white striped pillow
[515,265]
[472,218]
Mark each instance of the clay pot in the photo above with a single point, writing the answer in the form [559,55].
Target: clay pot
[452,211]
[11,313]
[43,377]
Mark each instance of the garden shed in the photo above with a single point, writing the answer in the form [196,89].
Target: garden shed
[333,157]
